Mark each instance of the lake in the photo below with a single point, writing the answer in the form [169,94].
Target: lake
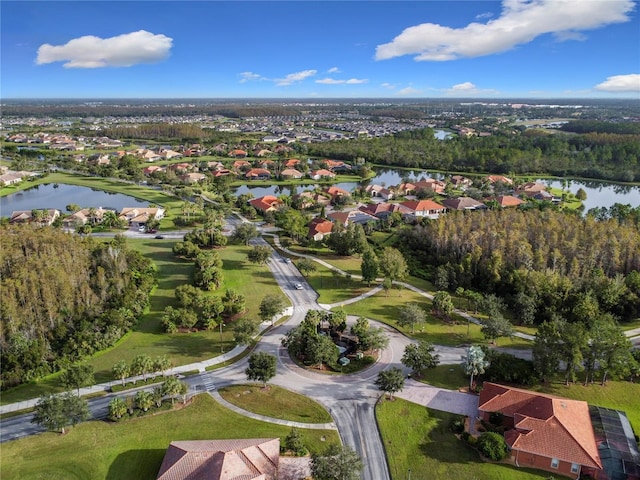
[599,194]
[48,196]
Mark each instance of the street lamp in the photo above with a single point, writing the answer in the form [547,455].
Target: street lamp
[221,324]
[409,475]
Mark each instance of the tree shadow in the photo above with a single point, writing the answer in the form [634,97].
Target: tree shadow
[139,464]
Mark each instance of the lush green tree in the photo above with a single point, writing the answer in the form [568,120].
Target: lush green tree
[172,387]
[546,350]
[608,347]
[141,365]
[336,463]
[420,356]
[262,367]
[393,264]
[272,306]
[55,412]
[373,339]
[337,321]
[117,409]
[390,381]
[78,376]
[321,351]
[120,370]
[144,400]
[306,266]
[162,364]
[496,327]
[410,315]
[245,232]
[295,443]
[259,254]
[492,445]
[581,194]
[474,363]
[208,273]
[244,331]
[233,302]
[442,304]
[370,266]
[361,327]
[573,341]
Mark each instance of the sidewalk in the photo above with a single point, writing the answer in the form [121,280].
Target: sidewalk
[255,416]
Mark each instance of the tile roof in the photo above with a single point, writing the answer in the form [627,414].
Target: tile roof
[422,205]
[545,425]
[462,203]
[508,201]
[243,459]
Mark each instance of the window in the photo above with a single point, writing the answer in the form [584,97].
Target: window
[554,463]
[575,468]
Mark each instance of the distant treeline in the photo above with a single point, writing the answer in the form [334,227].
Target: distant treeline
[593,126]
[64,297]
[593,155]
[545,263]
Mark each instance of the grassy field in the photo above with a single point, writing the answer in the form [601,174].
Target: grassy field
[276,402]
[333,287]
[418,439]
[134,449]
[149,338]
[385,309]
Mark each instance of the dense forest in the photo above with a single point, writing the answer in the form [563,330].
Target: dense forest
[604,156]
[64,297]
[545,263]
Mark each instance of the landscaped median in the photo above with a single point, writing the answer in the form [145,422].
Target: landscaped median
[134,449]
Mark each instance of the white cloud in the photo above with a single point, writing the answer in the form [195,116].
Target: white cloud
[621,83]
[480,16]
[468,89]
[390,86]
[408,91]
[334,81]
[333,70]
[295,77]
[120,51]
[249,76]
[520,22]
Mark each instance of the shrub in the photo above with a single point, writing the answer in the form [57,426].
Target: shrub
[294,443]
[492,445]
[496,418]
[457,425]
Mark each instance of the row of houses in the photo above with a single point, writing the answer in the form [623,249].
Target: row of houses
[136,217]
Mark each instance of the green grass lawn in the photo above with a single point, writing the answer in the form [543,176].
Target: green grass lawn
[276,402]
[384,308]
[149,338]
[418,439]
[134,449]
[333,287]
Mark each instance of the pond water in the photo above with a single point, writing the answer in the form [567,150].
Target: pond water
[599,194]
[49,196]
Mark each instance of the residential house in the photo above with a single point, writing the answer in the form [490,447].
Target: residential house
[193,177]
[26,216]
[544,432]
[86,215]
[336,165]
[530,189]
[322,173]
[238,459]
[213,166]
[139,216]
[383,209]
[403,189]
[292,163]
[148,155]
[12,177]
[180,167]
[379,191]
[291,173]
[424,208]
[261,152]
[498,179]
[258,174]
[265,204]
[241,165]
[237,153]
[463,203]
[506,201]
[267,164]
[351,216]
[152,169]
[430,185]
[320,228]
[460,182]
[334,192]
[310,199]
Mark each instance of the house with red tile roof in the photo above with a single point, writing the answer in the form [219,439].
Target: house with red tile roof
[382,209]
[152,169]
[351,216]
[291,163]
[237,153]
[265,204]
[242,459]
[309,199]
[240,165]
[320,228]
[335,165]
[379,191]
[334,191]
[544,432]
[258,174]
[424,208]
[430,185]
[506,201]
[498,178]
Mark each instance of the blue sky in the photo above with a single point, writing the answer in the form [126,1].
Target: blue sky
[325,49]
